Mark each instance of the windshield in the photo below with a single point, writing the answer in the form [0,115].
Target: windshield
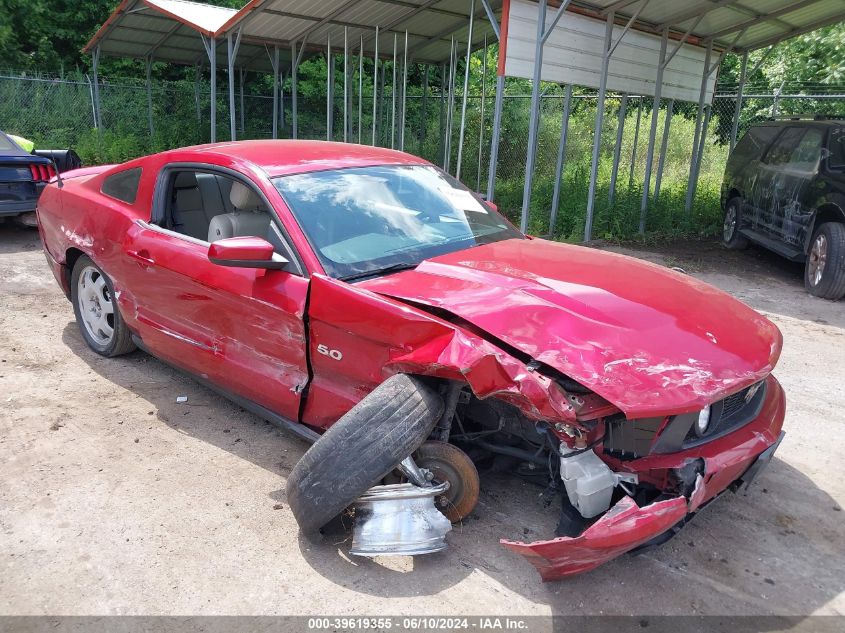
[362,221]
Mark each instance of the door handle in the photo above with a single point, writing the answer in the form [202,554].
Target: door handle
[142,256]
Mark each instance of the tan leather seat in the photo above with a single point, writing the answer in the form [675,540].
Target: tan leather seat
[249,218]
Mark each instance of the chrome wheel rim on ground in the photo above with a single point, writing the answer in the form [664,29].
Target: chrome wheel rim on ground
[730,224]
[95,305]
[818,259]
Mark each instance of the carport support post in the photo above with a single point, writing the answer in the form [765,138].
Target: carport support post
[561,157]
[95,66]
[481,115]
[393,99]
[617,150]
[594,165]
[658,177]
[241,93]
[282,103]
[705,74]
[375,86]
[658,88]
[466,89]
[423,115]
[534,122]
[404,95]
[149,69]
[274,62]
[329,87]
[699,156]
[294,63]
[636,141]
[360,89]
[232,52]
[738,105]
[345,85]
[497,108]
[211,48]
[450,106]
[494,140]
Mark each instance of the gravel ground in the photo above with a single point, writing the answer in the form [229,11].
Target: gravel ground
[114,499]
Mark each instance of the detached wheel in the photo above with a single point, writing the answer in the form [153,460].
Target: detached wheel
[731,237]
[363,446]
[96,310]
[824,270]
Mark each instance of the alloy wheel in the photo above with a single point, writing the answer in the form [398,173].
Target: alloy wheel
[95,305]
[729,228]
[818,259]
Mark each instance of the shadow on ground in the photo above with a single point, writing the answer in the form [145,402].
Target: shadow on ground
[16,238]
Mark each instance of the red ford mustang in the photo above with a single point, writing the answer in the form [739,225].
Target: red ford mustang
[370,302]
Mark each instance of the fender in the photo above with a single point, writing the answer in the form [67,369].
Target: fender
[830,210]
[368,330]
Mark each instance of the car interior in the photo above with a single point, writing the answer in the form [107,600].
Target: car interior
[211,207]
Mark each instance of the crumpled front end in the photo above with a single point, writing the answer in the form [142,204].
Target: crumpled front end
[725,463]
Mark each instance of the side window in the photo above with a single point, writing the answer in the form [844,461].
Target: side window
[754,143]
[209,207]
[836,149]
[123,185]
[806,155]
[781,151]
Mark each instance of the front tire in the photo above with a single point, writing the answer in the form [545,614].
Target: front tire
[360,448]
[731,237]
[97,314]
[824,270]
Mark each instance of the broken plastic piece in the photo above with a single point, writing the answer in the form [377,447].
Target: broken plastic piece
[181,399]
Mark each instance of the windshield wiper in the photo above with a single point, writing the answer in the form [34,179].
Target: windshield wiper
[393,268]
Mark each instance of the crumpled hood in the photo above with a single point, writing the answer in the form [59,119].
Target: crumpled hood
[650,340]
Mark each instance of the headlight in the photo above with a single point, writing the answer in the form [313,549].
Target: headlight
[703,422]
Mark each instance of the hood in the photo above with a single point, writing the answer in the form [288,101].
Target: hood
[650,340]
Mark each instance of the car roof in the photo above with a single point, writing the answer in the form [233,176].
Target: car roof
[797,121]
[282,157]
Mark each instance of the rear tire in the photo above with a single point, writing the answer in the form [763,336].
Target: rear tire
[360,448]
[96,310]
[824,270]
[731,237]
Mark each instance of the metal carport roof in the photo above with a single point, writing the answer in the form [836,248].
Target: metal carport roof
[738,24]
[172,31]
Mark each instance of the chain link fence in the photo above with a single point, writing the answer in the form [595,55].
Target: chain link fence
[59,112]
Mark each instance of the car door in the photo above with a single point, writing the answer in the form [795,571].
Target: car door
[791,212]
[240,328]
[765,196]
[743,167]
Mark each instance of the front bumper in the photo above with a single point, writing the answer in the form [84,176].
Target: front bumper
[733,459]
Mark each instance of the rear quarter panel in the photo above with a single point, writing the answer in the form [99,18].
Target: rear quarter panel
[77,216]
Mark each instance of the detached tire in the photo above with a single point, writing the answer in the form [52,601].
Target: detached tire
[824,270]
[363,446]
[732,239]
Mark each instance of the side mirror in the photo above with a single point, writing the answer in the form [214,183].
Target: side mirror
[245,252]
[492,205]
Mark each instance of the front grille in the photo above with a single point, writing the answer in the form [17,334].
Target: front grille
[733,404]
[631,439]
[729,414]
